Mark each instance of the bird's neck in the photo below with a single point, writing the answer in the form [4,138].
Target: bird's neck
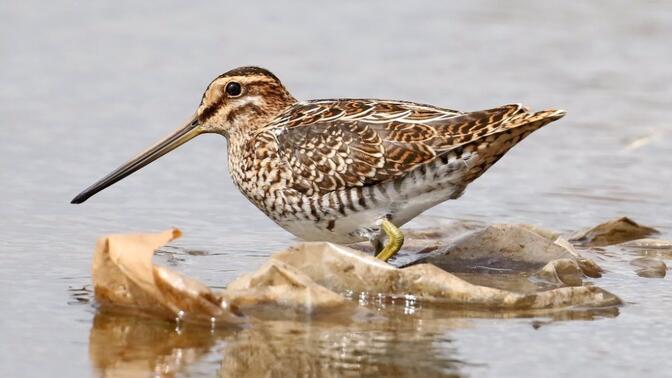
[247,120]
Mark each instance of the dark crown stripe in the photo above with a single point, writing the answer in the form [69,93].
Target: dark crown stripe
[249,71]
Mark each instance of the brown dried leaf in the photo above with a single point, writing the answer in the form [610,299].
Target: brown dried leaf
[123,275]
[501,247]
[615,231]
[565,272]
[649,267]
[282,285]
[312,278]
[340,268]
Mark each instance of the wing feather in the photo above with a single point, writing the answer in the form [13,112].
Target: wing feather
[330,145]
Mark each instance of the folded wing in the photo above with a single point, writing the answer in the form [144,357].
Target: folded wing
[338,144]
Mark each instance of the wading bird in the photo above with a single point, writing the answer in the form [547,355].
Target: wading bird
[343,170]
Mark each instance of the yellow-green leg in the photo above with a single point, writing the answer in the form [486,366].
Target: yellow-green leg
[395,239]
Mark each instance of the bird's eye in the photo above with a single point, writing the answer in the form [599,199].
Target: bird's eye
[233,89]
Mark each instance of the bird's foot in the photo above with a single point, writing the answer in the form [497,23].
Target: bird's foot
[395,239]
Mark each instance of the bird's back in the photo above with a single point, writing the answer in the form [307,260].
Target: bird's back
[339,144]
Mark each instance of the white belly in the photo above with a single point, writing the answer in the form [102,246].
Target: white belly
[362,225]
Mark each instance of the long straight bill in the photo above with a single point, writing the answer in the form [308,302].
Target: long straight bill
[171,142]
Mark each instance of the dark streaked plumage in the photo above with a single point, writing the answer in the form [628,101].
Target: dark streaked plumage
[335,169]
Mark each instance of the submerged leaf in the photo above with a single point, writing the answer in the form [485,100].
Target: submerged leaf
[649,267]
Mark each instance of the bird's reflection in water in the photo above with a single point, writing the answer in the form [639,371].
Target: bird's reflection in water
[392,341]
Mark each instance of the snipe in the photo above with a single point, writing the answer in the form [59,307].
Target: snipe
[343,170]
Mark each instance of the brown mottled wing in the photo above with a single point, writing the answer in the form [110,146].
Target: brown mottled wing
[337,144]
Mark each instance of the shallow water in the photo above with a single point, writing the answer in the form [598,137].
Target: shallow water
[86,85]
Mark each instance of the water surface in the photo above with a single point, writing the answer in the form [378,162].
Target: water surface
[85,85]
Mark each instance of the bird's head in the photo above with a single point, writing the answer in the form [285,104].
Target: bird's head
[240,100]
[236,102]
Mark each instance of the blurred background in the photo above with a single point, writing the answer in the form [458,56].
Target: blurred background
[87,84]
